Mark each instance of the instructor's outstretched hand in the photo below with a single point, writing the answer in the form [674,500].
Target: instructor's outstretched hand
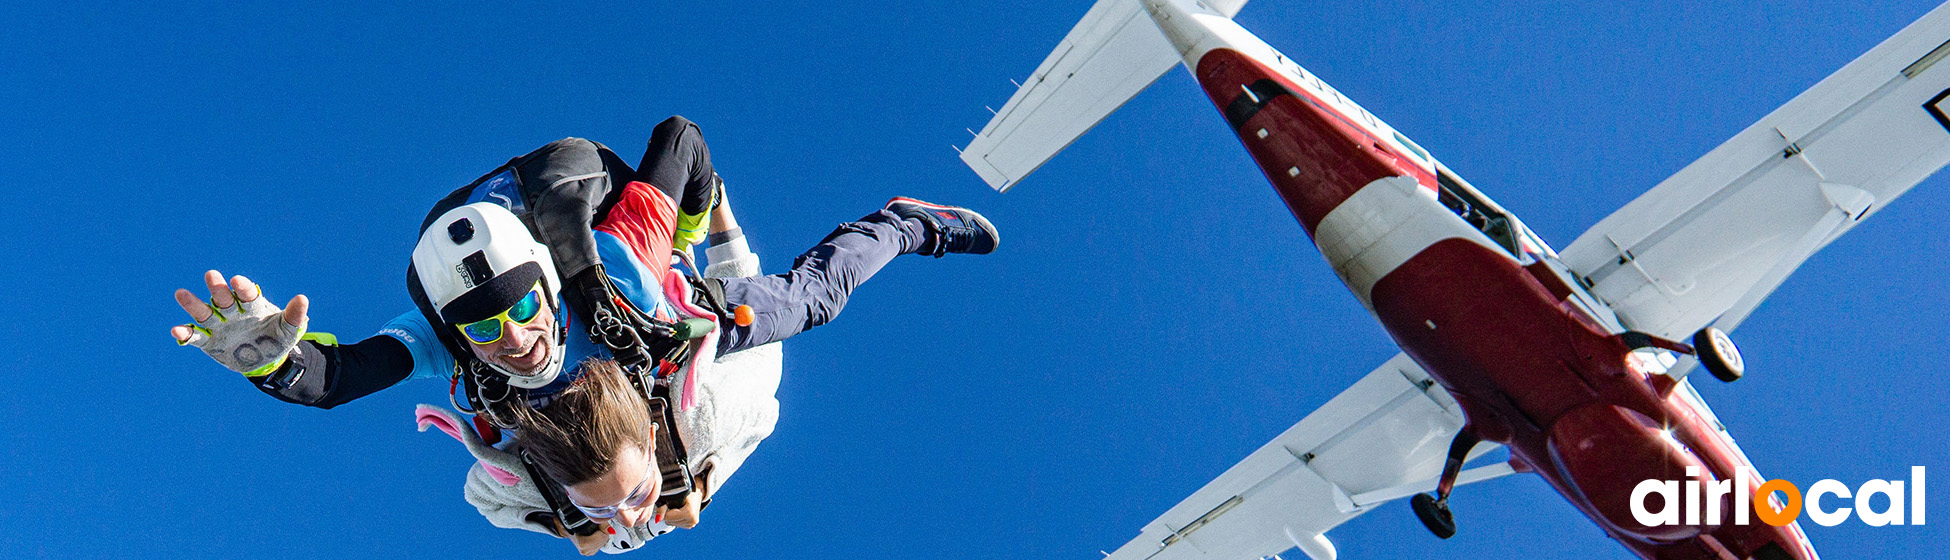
[238,328]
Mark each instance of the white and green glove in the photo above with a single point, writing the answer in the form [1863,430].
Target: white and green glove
[238,328]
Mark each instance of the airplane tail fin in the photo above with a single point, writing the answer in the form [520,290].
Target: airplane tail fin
[1113,53]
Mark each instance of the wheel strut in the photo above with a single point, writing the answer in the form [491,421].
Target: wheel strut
[1433,509]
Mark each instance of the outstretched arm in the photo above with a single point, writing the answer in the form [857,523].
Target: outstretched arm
[237,328]
[247,334]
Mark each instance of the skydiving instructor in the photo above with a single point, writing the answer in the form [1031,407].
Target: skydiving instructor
[565,255]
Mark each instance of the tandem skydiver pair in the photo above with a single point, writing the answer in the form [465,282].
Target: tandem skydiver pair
[558,296]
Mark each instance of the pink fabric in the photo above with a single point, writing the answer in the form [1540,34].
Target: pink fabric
[426,416]
[677,290]
[504,477]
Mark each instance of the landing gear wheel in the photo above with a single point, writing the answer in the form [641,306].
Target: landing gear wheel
[1718,355]
[1434,514]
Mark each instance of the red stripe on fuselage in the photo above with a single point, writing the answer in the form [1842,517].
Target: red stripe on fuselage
[1334,157]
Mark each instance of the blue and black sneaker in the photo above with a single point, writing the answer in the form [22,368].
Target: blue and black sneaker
[953,229]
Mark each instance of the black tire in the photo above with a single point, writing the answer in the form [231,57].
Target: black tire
[1434,514]
[1718,355]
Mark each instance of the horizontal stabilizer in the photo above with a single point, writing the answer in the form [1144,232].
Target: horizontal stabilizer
[1110,56]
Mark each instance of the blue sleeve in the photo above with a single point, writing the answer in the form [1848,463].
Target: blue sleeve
[431,360]
[636,281]
[323,373]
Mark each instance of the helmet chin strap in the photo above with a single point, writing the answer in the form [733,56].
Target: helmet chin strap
[543,376]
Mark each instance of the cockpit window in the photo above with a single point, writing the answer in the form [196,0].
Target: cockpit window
[1481,215]
[1412,147]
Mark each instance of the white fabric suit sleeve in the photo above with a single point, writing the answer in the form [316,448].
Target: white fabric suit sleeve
[742,407]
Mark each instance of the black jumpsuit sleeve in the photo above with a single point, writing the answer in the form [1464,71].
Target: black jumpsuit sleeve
[569,182]
[326,376]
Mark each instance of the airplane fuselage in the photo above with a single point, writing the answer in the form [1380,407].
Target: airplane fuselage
[1471,296]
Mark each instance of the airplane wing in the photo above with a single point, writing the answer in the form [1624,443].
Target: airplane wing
[1384,438]
[1717,237]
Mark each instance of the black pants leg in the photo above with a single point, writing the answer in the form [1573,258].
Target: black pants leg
[678,163]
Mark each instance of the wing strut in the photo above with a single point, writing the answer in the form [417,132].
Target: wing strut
[1850,204]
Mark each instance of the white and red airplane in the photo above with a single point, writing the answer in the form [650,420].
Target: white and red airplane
[1567,359]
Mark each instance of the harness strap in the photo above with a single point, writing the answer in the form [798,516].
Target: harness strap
[572,518]
[648,351]
[707,293]
[676,470]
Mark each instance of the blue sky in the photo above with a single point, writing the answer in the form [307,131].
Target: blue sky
[1154,314]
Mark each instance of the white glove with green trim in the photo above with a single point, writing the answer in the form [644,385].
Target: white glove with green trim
[249,337]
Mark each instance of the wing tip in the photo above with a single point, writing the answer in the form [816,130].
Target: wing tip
[995,178]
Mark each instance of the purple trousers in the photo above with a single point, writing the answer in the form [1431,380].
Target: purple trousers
[816,288]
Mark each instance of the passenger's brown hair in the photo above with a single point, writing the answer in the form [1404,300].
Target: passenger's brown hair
[582,431]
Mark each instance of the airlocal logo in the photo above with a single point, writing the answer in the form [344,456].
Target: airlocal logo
[1772,510]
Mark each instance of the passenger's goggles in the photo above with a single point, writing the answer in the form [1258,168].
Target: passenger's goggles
[488,330]
[652,481]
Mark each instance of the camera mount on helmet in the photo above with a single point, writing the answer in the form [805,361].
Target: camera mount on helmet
[475,261]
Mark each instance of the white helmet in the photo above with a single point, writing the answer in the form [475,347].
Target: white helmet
[478,260]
